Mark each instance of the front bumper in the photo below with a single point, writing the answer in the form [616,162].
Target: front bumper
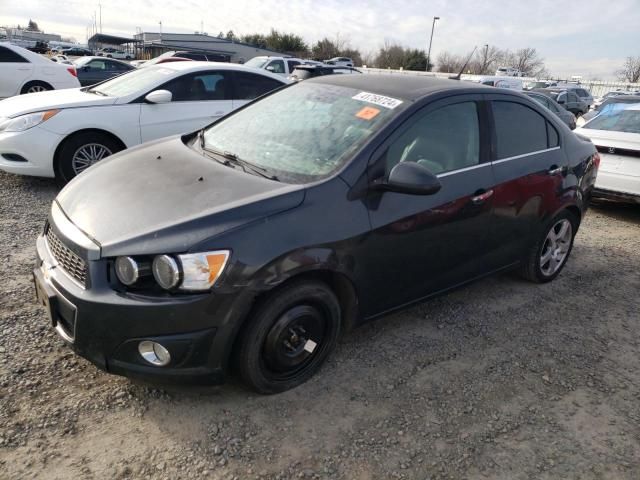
[105,326]
[34,146]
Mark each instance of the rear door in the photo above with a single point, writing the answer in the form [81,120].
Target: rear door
[198,99]
[421,244]
[247,86]
[15,70]
[529,168]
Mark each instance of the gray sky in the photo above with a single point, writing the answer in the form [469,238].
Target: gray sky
[586,37]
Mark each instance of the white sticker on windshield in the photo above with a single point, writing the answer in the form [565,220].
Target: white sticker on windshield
[386,102]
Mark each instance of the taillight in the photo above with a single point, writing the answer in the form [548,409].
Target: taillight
[72,71]
[596,160]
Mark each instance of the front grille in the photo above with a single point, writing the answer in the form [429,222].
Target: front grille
[68,261]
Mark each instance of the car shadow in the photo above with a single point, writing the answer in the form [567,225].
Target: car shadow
[626,212]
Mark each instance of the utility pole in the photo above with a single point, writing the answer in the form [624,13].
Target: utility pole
[100,7]
[160,31]
[430,42]
[486,58]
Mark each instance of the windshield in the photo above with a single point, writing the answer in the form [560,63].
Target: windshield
[618,120]
[257,62]
[303,133]
[134,82]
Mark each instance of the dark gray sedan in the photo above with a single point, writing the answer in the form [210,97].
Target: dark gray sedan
[92,70]
[565,115]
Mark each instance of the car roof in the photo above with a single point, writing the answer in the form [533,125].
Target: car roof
[408,87]
[196,66]
[96,57]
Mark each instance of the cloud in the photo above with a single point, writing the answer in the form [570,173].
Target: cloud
[574,38]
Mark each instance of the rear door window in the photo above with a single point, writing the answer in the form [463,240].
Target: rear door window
[9,56]
[519,129]
[249,85]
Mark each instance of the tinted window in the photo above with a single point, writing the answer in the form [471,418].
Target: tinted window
[581,92]
[192,56]
[198,87]
[552,135]
[292,64]
[572,97]
[519,129]
[9,56]
[277,66]
[249,86]
[443,140]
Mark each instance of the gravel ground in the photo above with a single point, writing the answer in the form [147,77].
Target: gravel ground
[502,379]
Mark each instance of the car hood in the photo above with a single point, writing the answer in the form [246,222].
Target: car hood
[164,197]
[38,102]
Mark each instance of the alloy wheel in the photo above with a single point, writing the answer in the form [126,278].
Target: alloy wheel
[36,89]
[87,155]
[556,247]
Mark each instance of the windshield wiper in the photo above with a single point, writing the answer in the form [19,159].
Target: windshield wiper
[97,92]
[232,159]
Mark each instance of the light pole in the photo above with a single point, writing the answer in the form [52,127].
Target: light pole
[485,62]
[433,25]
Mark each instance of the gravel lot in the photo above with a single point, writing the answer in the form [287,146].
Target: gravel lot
[502,379]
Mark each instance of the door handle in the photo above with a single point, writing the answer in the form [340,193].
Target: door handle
[555,170]
[481,196]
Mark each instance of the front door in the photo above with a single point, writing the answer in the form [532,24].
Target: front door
[197,100]
[421,244]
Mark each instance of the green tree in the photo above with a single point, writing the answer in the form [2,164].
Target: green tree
[33,26]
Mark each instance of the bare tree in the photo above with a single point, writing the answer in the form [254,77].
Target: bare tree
[486,60]
[630,71]
[526,60]
[448,62]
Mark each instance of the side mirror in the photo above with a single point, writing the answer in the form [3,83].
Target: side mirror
[270,68]
[159,96]
[411,178]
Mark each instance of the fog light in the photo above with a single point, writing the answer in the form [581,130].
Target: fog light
[154,353]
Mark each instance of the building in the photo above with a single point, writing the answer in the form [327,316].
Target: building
[22,34]
[152,44]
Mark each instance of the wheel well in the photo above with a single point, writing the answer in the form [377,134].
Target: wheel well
[340,284]
[575,211]
[56,155]
[31,82]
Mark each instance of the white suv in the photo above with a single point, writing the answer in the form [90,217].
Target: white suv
[23,71]
[508,72]
[340,61]
[279,65]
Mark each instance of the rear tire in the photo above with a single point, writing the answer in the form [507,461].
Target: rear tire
[82,150]
[288,337]
[35,87]
[548,256]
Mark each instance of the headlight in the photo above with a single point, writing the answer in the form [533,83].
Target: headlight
[25,122]
[129,270]
[194,271]
[166,271]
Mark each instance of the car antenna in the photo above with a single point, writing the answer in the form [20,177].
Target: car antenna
[457,77]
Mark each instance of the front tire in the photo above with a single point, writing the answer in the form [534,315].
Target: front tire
[546,259]
[82,150]
[288,338]
[35,87]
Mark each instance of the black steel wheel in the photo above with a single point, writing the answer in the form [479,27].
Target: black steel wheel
[289,337]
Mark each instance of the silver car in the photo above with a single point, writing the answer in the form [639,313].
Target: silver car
[565,115]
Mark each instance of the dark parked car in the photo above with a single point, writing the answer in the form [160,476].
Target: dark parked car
[258,240]
[304,72]
[567,98]
[92,70]
[76,52]
[565,115]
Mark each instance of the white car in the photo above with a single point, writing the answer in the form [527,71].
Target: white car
[61,133]
[23,71]
[508,72]
[113,53]
[340,61]
[278,65]
[616,135]
[61,59]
